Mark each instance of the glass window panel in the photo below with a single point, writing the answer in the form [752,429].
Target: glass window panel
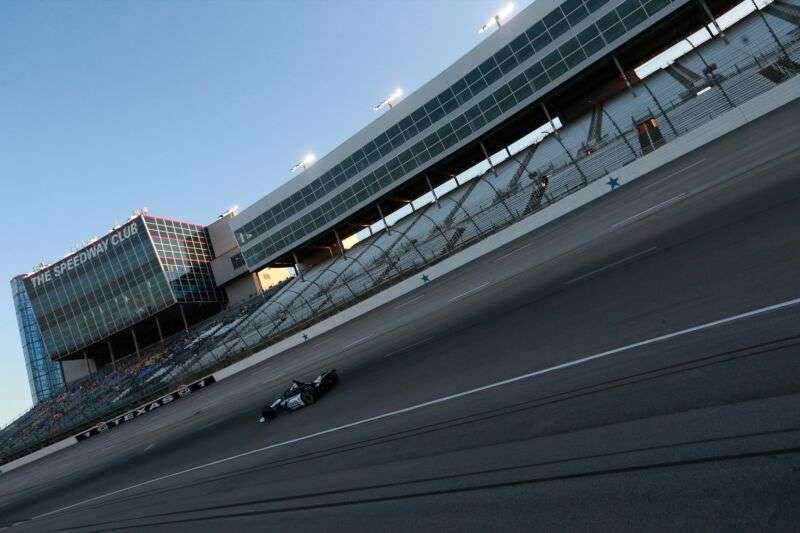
[519,43]
[594,5]
[508,65]
[557,70]
[578,15]
[551,59]
[614,32]
[594,46]
[487,66]
[635,18]
[493,76]
[557,30]
[608,21]
[524,53]
[588,34]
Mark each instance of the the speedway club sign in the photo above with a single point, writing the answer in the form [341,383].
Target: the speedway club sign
[182,391]
[96,250]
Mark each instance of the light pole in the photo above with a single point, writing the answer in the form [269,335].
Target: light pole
[390,100]
[502,14]
[304,163]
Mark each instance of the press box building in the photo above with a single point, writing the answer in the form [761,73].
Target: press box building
[138,284]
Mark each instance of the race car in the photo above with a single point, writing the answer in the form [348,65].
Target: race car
[300,395]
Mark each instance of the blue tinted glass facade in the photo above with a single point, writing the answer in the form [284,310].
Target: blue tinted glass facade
[129,275]
[185,253]
[44,375]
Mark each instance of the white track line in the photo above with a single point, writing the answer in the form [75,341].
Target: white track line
[412,300]
[404,348]
[612,265]
[359,341]
[575,362]
[649,210]
[515,250]
[687,167]
[463,294]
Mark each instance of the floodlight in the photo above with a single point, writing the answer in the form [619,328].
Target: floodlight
[304,163]
[390,100]
[502,14]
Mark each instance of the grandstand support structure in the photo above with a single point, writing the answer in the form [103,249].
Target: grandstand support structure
[558,138]
[338,275]
[403,235]
[466,213]
[494,171]
[435,225]
[300,295]
[431,189]
[709,72]
[772,33]
[297,268]
[713,20]
[622,135]
[383,219]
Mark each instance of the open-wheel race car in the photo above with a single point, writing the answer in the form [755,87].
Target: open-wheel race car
[300,395]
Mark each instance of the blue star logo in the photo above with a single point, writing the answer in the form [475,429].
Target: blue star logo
[613,183]
[425,278]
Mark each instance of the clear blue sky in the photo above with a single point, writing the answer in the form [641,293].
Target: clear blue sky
[185,108]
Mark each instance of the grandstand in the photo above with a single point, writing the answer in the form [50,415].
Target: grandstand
[754,56]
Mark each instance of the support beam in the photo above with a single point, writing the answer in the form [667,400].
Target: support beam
[713,21]
[339,242]
[710,75]
[86,361]
[383,218]
[650,92]
[769,27]
[111,353]
[297,268]
[160,332]
[623,75]
[619,131]
[488,159]
[433,192]
[183,318]
[135,343]
[558,138]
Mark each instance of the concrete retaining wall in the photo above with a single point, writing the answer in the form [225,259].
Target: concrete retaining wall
[38,454]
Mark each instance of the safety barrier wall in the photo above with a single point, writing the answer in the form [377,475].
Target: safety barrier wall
[38,454]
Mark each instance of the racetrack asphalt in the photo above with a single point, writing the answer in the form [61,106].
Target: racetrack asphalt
[656,386]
